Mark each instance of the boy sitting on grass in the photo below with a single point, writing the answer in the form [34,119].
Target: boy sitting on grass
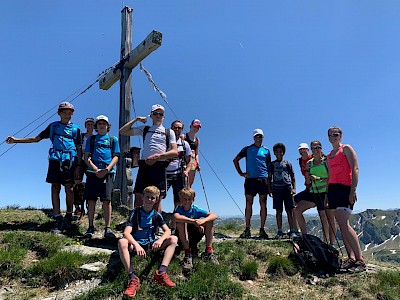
[192,224]
[139,236]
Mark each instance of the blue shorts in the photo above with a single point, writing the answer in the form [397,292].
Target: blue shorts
[281,197]
[338,196]
[254,186]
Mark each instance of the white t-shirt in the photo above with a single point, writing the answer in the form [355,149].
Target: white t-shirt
[154,142]
[174,166]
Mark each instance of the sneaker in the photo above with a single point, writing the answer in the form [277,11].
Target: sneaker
[246,234]
[358,266]
[163,279]
[292,235]
[347,264]
[133,287]
[187,263]
[263,234]
[210,257]
[109,234]
[58,225]
[89,232]
[279,235]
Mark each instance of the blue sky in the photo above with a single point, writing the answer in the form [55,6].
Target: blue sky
[292,68]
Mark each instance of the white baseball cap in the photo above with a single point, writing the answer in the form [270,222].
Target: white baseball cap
[157,106]
[258,131]
[102,117]
[303,146]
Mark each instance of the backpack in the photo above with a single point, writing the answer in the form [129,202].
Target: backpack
[316,255]
[167,135]
[135,220]
[93,139]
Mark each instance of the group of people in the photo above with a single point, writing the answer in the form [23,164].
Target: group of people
[171,159]
[330,185]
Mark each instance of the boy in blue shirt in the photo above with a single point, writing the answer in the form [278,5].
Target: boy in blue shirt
[101,155]
[64,156]
[139,236]
[192,224]
[282,186]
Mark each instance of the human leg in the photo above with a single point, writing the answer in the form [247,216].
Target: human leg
[350,237]
[55,197]
[332,225]
[263,210]
[69,197]
[298,211]
[249,209]
[134,284]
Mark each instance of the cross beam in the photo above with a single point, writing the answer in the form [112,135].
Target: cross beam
[150,43]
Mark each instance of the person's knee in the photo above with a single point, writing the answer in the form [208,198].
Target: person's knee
[173,240]
[123,244]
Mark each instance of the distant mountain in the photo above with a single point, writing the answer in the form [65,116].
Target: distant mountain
[378,230]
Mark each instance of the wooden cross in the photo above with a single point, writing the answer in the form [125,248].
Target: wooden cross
[121,71]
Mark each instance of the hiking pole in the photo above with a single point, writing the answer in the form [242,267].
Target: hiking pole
[316,202]
[202,183]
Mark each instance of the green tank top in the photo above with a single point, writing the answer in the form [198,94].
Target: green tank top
[319,171]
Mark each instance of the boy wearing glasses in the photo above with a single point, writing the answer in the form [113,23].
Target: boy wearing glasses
[159,145]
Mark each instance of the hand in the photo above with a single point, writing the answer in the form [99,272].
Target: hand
[140,251]
[198,167]
[326,202]
[157,245]
[101,173]
[185,173]
[151,160]
[199,222]
[142,119]
[293,191]
[10,140]
[352,196]
[313,177]
[201,229]
[245,174]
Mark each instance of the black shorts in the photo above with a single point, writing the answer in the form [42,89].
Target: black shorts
[338,196]
[151,175]
[99,187]
[318,199]
[177,182]
[254,186]
[194,236]
[280,197]
[303,195]
[56,174]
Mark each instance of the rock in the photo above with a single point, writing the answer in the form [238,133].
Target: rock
[94,267]
[85,250]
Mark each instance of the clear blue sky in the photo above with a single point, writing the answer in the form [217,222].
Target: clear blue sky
[292,68]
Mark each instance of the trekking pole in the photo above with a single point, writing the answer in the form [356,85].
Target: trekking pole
[202,183]
[329,222]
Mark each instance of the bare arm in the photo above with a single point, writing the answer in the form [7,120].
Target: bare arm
[14,140]
[127,234]
[237,166]
[127,128]
[353,161]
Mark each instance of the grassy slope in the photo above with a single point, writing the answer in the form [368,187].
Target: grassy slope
[32,264]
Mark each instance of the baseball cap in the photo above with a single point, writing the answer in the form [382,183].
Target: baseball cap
[196,123]
[102,117]
[303,146]
[157,106]
[89,120]
[65,105]
[258,131]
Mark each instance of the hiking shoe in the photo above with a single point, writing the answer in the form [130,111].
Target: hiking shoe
[187,263]
[58,225]
[109,234]
[358,266]
[292,235]
[279,235]
[209,257]
[68,223]
[347,264]
[246,234]
[133,287]
[163,279]
[263,234]
[89,233]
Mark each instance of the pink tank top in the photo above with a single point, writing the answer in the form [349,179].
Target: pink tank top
[339,168]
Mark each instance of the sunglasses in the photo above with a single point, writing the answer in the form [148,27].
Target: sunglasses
[258,136]
[156,113]
[336,134]
[177,127]
[315,147]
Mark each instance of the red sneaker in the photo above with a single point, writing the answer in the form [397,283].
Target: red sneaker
[163,279]
[133,287]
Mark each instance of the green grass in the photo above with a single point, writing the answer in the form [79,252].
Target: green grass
[387,286]
[281,266]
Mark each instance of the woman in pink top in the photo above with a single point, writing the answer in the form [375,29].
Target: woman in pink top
[343,180]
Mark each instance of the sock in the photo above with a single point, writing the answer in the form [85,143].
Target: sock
[188,252]
[209,249]
[162,269]
[131,275]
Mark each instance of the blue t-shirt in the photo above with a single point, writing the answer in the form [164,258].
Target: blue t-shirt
[102,153]
[257,160]
[194,212]
[282,172]
[65,139]
[145,233]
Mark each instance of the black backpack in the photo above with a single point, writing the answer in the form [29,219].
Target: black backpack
[316,255]
[93,139]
